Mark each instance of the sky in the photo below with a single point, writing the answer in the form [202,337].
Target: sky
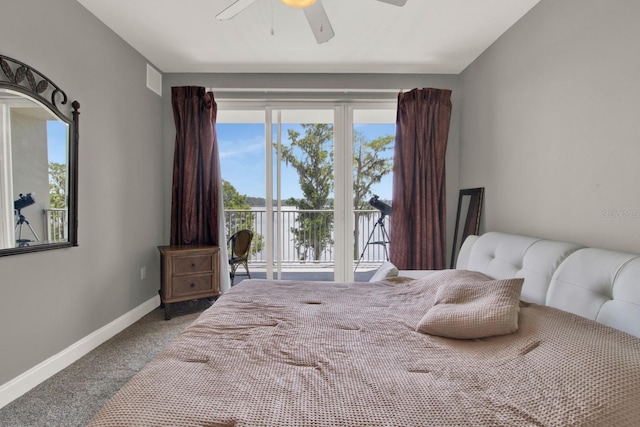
[242,158]
[57,141]
[242,155]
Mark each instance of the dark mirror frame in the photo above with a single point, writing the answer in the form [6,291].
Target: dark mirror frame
[20,77]
[471,217]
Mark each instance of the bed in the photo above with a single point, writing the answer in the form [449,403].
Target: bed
[285,353]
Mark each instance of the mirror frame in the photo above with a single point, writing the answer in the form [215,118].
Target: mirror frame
[471,219]
[20,77]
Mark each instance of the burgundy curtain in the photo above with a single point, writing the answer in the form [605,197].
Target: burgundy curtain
[196,182]
[418,223]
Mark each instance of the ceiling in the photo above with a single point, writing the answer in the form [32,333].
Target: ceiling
[424,36]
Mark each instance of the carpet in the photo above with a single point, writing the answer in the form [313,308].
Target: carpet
[75,394]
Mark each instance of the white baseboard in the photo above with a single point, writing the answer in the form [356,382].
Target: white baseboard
[39,373]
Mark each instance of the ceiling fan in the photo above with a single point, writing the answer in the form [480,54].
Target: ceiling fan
[313,10]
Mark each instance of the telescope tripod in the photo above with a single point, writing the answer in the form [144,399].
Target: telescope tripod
[21,221]
[384,242]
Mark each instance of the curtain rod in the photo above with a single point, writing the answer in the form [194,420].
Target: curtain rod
[302,90]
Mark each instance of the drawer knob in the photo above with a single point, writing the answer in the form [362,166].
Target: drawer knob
[193,266]
[193,285]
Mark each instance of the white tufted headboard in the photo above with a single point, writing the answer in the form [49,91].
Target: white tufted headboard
[601,285]
[598,284]
[502,256]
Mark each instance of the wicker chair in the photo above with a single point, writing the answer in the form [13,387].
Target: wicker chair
[239,255]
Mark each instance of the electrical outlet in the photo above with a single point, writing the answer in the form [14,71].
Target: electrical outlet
[143,273]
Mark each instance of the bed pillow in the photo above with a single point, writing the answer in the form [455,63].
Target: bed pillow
[476,309]
[386,271]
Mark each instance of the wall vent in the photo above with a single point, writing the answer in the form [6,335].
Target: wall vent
[154,80]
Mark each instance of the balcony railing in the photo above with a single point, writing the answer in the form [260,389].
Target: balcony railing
[55,225]
[318,224]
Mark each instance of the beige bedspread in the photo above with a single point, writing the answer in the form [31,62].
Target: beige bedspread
[271,353]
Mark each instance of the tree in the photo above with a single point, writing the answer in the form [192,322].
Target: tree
[369,167]
[57,185]
[56,220]
[312,157]
[233,200]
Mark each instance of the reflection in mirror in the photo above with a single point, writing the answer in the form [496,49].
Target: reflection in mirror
[36,144]
[38,163]
[469,212]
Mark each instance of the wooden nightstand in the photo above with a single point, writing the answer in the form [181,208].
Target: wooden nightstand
[187,273]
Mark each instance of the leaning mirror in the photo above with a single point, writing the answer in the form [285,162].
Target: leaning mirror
[467,218]
[38,162]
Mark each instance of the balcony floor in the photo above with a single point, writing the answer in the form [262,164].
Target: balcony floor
[307,273]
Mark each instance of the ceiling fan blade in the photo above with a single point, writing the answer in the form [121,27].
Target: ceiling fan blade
[394,2]
[319,22]
[234,8]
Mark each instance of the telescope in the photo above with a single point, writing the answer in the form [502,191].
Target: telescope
[23,201]
[384,208]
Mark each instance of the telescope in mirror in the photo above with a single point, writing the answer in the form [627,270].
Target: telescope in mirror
[23,201]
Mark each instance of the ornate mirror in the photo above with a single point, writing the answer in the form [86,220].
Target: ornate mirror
[38,162]
[467,218]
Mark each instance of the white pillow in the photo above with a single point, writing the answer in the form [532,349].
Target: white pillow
[386,271]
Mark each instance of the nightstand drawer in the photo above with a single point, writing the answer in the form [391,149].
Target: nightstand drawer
[192,264]
[192,284]
[188,272]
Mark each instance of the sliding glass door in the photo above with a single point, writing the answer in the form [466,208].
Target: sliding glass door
[241,142]
[373,144]
[302,182]
[301,176]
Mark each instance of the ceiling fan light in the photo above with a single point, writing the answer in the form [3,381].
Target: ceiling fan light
[298,3]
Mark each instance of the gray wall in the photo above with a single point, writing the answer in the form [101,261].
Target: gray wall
[52,299]
[550,124]
[30,168]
